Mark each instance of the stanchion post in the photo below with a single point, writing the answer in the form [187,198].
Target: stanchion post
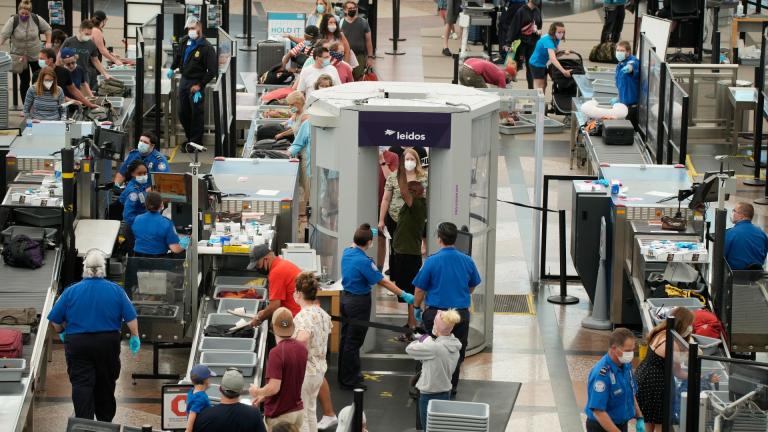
[455,68]
[248,27]
[395,29]
[563,298]
[694,388]
[243,35]
[357,417]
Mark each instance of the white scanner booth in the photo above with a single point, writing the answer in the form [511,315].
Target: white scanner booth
[459,127]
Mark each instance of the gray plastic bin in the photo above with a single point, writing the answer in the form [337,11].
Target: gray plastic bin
[688,303]
[249,281]
[221,319]
[220,288]
[219,361]
[251,306]
[707,344]
[458,411]
[227,344]
[12,369]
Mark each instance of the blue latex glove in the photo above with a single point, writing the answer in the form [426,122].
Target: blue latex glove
[408,298]
[184,242]
[627,69]
[197,97]
[640,425]
[614,100]
[169,74]
[417,312]
[61,337]
[134,343]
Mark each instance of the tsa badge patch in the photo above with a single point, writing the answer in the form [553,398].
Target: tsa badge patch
[133,196]
[161,166]
[599,386]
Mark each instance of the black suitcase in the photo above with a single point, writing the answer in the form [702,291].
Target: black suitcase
[268,54]
[618,132]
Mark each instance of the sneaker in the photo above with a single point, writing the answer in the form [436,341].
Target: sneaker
[327,422]
[447,52]
[454,36]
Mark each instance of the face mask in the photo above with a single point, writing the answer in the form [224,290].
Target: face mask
[326,62]
[688,331]
[352,13]
[85,38]
[41,63]
[560,35]
[337,55]
[332,29]
[143,147]
[294,109]
[626,357]
[142,179]
[320,8]
[621,55]
[24,18]
[410,165]
[192,34]
[48,84]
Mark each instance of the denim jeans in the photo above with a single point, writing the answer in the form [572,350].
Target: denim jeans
[424,399]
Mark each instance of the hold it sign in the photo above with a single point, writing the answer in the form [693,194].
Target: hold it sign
[404,129]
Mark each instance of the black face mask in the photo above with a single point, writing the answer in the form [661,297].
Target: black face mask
[351,13]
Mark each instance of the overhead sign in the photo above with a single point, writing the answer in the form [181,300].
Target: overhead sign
[174,409]
[282,23]
[404,129]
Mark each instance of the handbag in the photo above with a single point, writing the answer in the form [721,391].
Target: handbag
[18,316]
[369,75]
[18,64]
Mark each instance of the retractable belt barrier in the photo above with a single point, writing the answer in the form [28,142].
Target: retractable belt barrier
[371,324]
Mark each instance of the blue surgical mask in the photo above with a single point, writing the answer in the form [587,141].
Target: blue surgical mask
[320,8]
[294,109]
[621,56]
[41,63]
[143,147]
[142,179]
[326,62]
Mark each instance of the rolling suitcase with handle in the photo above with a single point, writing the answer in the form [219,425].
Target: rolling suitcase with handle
[268,54]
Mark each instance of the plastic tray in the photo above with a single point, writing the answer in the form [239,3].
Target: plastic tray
[220,288]
[219,361]
[246,281]
[519,128]
[550,125]
[35,233]
[221,319]
[688,303]
[165,312]
[458,411]
[12,369]
[707,344]
[251,306]
[454,426]
[39,217]
[227,344]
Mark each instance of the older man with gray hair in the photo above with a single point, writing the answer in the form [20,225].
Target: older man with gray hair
[88,317]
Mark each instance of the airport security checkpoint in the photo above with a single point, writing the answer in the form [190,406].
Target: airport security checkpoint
[377,215]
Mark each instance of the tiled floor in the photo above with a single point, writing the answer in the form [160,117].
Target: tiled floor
[549,353]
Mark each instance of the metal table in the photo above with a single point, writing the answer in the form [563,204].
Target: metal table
[742,99]
[96,234]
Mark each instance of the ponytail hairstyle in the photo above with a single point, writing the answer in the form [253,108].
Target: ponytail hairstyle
[307,285]
[363,235]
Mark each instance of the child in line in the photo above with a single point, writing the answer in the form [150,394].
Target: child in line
[439,354]
[197,399]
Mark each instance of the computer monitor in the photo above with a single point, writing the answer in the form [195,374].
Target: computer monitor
[701,193]
[171,187]
[464,242]
[111,143]
[712,196]
[305,259]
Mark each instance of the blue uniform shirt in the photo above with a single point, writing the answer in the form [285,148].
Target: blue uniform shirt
[446,277]
[93,305]
[611,388]
[154,233]
[628,83]
[540,55]
[197,401]
[358,272]
[132,198]
[154,160]
[745,244]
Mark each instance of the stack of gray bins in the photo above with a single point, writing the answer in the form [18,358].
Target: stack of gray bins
[5,68]
[455,416]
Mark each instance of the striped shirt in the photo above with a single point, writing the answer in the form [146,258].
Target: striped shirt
[44,107]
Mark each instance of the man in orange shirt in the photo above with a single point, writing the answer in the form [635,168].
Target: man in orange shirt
[281,276]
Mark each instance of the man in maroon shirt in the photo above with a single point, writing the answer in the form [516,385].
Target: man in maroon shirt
[286,365]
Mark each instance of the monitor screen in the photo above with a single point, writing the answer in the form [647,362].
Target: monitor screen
[305,259]
[464,242]
[712,195]
[171,186]
[112,142]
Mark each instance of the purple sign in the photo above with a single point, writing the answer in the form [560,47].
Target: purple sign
[404,129]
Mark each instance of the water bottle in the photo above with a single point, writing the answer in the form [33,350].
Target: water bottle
[28,130]
[740,10]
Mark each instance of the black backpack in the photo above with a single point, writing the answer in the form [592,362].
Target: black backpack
[35,19]
[22,251]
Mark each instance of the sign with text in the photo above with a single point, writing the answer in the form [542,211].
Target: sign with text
[174,409]
[404,129]
[282,23]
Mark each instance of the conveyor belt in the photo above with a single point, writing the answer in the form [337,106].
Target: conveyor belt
[27,288]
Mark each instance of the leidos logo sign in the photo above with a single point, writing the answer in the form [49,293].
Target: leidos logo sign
[410,136]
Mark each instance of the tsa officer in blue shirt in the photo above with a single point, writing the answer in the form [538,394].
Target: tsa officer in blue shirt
[146,151]
[745,244]
[611,388]
[155,233]
[358,275]
[627,79]
[134,195]
[88,317]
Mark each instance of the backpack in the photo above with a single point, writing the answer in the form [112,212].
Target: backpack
[22,251]
[603,53]
[17,21]
[11,344]
[276,76]
[705,323]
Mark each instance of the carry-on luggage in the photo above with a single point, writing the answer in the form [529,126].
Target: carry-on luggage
[11,344]
[268,54]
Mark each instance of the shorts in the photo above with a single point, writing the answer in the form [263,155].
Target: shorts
[403,270]
[453,11]
[469,78]
[538,72]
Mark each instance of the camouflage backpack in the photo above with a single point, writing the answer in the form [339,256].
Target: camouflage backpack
[603,53]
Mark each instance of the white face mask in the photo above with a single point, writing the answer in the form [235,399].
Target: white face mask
[48,84]
[626,357]
[192,34]
[142,179]
[85,38]
[410,165]
[332,28]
